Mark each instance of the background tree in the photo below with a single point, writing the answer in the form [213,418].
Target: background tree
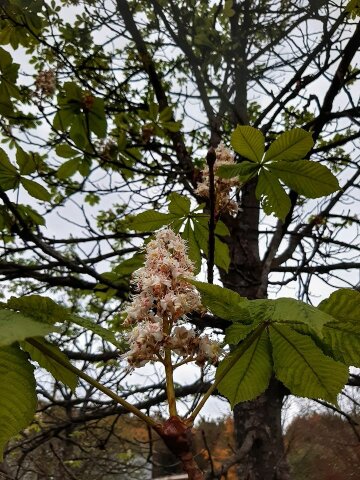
[107,107]
[323,446]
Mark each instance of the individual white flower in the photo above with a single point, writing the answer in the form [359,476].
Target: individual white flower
[183,341]
[209,351]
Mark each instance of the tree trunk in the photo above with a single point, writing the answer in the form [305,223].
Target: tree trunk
[260,418]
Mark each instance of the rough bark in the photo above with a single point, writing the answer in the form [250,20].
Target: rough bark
[266,459]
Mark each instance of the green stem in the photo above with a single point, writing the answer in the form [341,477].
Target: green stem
[170,388]
[238,353]
[93,382]
[169,371]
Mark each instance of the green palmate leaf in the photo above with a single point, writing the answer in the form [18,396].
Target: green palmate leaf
[57,370]
[250,375]
[344,305]
[193,247]
[301,366]
[102,332]
[272,195]
[79,131]
[222,256]
[73,93]
[16,326]
[221,229]
[18,398]
[201,231]
[97,118]
[63,118]
[127,267]
[166,114]
[29,214]
[248,142]
[306,177]
[69,168]
[245,170]
[221,301]
[288,310]
[5,60]
[84,166]
[177,224]
[151,220]
[238,331]
[256,311]
[179,204]
[35,189]
[289,146]
[353,8]
[228,11]
[42,309]
[9,177]
[342,341]
[172,126]
[65,151]
[26,161]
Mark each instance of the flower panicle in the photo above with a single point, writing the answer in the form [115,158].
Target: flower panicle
[223,186]
[45,83]
[163,300]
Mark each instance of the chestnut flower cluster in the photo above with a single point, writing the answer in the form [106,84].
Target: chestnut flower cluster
[223,186]
[158,312]
[45,83]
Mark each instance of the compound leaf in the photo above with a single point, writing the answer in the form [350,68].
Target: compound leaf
[39,308]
